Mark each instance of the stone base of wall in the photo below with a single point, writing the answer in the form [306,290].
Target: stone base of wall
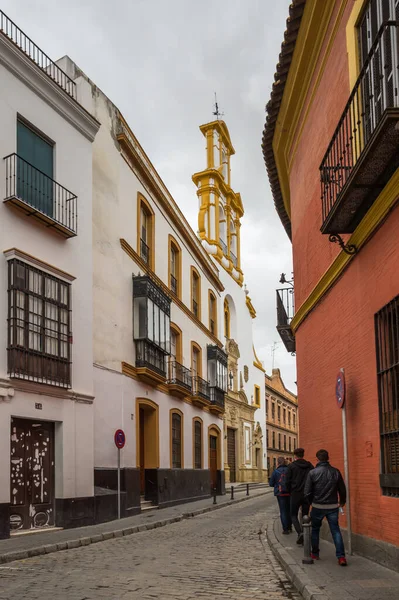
[4,521]
[380,552]
[167,487]
[252,475]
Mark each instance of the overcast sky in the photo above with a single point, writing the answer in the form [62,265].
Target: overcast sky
[160,62]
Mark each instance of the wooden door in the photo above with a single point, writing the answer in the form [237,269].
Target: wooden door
[231,453]
[213,460]
[32,474]
[142,446]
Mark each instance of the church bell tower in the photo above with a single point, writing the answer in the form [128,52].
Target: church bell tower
[220,208]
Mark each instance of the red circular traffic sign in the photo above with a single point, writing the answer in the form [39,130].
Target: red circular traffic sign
[340,389]
[119,438]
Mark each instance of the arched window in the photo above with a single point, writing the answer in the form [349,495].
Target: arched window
[226,320]
[145,231]
[195,293]
[197,443]
[222,230]
[233,243]
[175,283]
[176,436]
[212,313]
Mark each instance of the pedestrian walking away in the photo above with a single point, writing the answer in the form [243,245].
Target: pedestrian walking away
[326,492]
[296,478]
[278,481]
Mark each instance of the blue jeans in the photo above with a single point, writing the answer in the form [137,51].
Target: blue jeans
[285,516]
[331,515]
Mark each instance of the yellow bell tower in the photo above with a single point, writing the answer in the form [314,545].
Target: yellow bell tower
[220,208]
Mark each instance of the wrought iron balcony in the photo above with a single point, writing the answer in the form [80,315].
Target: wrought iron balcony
[40,196]
[149,356]
[144,251]
[285,313]
[363,153]
[223,246]
[201,393]
[25,44]
[173,284]
[180,380]
[234,259]
[217,399]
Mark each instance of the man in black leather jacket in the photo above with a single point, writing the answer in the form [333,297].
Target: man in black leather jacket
[326,491]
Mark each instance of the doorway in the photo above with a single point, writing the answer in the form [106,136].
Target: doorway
[31,474]
[213,460]
[231,453]
[147,442]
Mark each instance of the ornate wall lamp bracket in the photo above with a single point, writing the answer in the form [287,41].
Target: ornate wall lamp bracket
[337,239]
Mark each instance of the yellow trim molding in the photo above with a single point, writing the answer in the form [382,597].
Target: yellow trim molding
[173,243]
[171,413]
[214,316]
[142,203]
[152,454]
[369,224]
[195,275]
[126,247]
[257,395]
[179,341]
[250,307]
[197,348]
[257,362]
[200,421]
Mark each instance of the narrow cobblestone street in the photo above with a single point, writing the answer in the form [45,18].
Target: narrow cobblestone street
[217,555]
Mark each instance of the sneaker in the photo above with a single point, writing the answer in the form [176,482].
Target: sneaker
[314,556]
[286,532]
[342,562]
[300,539]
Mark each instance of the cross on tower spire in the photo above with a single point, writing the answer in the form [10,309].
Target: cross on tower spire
[216,111]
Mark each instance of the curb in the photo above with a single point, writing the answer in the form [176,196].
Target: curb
[295,573]
[117,533]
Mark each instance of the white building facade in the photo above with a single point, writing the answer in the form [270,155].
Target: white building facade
[46,375]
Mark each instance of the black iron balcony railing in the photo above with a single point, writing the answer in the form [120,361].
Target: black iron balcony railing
[223,246]
[285,313]
[24,43]
[40,196]
[217,397]
[363,152]
[233,258]
[173,284]
[150,356]
[201,387]
[195,308]
[144,251]
[180,375]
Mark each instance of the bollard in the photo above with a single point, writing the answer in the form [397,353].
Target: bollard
[247,489]
[214,496]
[232,492]
[306,525]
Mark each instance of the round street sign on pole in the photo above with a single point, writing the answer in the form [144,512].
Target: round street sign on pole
[119,438]
[340,389]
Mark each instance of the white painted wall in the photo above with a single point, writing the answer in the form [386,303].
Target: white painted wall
[114,217]
[73,170]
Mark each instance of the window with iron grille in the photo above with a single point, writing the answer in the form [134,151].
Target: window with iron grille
[387,345]
[274,439]
[176,441]
[39,331]
[197,445]
[279,441]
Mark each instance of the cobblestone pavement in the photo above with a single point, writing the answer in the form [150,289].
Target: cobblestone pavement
[214,556]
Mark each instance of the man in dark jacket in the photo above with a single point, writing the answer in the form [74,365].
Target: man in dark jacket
[278,480]
[326,491]
[297,474]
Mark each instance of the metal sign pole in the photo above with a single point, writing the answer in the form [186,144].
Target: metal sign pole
[346,471]
[119,483]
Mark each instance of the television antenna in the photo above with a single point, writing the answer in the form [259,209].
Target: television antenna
[216,112]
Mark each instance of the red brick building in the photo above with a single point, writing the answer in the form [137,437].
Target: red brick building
[331,148]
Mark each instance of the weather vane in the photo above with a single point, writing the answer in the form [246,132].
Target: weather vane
[216,111]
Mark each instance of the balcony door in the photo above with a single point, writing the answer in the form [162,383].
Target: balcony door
[380,82]
[34,169]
